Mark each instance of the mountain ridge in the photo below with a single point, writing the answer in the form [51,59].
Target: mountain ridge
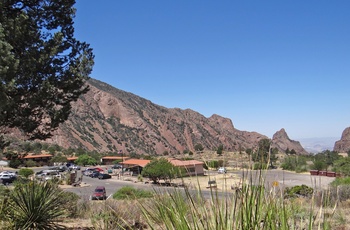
[108,119]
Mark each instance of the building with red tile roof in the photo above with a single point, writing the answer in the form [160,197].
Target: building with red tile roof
[192,167]
[109,160]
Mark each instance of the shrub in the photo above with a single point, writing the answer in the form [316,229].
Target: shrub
[259,166]
[131,193]
[299,190]
[25,172]
[211,164]
[14,163]
[341,181]
[34,206]
[30,163]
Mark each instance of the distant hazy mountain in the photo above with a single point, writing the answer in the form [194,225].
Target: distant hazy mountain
[316,145]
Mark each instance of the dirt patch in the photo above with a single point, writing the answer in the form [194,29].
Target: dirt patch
[218,181]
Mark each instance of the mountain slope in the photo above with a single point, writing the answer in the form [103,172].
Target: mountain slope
[343,145]
[108,119]
[281,141]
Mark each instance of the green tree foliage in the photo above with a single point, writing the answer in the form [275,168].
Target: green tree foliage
[342,165]
[292,152]
[198,147]
[264,154]
[214,164]
[249,151]
[130,193]
[294,163]
[58,159]
[43,67]
[85,160]
[159,169]
[30,163]
[14,158]
[327,158]
[220,150]
[273,156]
[25,172]
[319,165]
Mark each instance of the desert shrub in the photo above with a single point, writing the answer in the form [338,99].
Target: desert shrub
[298,190]
[259,166]
[112,214]
[341,181]
[339,190]
[294,163]
[25,172]
[211,164]
[131,193]
[30,163]
[14,163]
[70,203]
[301,168]
[221,163]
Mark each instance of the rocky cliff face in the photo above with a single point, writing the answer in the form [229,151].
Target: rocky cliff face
[343,145]
[107,119]
[281,141]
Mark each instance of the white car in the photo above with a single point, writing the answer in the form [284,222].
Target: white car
[222,170]
[8,173]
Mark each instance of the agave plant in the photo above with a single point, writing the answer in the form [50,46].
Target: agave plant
[35,206]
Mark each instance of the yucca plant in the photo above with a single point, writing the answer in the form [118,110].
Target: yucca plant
[35,206]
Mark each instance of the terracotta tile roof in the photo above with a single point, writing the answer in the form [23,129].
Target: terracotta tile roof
[139,162]
[72,158]
[37,156]
[185,163]
[114,158]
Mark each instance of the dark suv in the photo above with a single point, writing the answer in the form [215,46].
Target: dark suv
[7,179]
[99,193]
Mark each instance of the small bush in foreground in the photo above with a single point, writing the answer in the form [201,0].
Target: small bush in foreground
[299,190]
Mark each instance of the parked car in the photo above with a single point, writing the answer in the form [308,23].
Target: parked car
[7,179]
[94,174]
[98,169]
[117,166]
[99,193]
[104,176]
[88,171]
[47,174]
[8,173]
[50,176]
[222,170]
[74,167]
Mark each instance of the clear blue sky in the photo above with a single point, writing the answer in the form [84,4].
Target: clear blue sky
[266,65]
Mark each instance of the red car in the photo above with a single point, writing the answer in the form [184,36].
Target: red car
[99,193]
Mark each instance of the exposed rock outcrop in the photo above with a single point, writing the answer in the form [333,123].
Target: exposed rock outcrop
[281,141]
[108,119]
[343,145]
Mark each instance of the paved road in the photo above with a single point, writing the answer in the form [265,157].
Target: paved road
[286,178]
